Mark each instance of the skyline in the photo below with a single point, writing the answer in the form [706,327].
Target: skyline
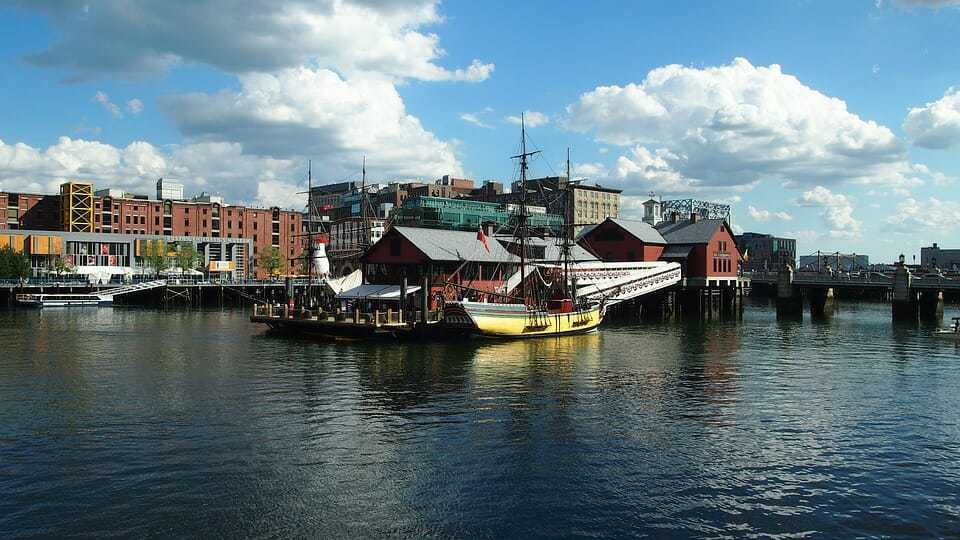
[837,125]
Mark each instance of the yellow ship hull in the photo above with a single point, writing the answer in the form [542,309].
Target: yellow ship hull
[517,321]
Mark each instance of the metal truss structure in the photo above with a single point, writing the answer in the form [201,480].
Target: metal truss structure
[705,209]
[76,204]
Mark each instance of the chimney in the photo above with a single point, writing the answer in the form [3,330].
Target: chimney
[694,217]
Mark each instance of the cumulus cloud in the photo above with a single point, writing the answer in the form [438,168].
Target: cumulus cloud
[135,106]
[933,214]
[836,211]
[734,125]
[936,125]
[147,38]
[104,100]
[474,118]
[930,3]
[316,113]
[589,170]
[531,119]
[209,166]
[764,216]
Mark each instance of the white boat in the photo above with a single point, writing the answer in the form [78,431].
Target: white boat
[63,300]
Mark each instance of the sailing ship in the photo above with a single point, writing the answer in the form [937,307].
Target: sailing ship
[529,313]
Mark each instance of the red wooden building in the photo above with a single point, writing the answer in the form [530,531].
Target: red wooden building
[705,249]
[622,240]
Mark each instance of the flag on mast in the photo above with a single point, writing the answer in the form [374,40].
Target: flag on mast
[483,239]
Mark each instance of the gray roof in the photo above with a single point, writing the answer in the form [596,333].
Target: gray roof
[447,245]
[688,232]
[676,252]
[551,248]
[642,230]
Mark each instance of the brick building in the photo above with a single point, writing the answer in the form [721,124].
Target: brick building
[266,228]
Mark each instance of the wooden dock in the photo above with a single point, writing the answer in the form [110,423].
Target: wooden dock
[388,324]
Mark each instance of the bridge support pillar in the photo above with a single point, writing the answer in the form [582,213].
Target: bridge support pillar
[821,302]
[789,300]
[931,306]
[906,305]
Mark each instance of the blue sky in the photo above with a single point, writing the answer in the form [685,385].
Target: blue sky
[837,123]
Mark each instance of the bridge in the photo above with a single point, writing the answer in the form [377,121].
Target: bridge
[912,296]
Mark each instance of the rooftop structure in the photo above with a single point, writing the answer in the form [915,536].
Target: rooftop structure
[76,204]
[686,207]
[169,190]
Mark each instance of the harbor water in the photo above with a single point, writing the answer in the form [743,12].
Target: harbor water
[139,423]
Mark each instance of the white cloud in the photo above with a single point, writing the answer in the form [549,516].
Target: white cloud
[148,38]
[933,214]
[474,118]
[531,119]
[589,170]
[314,113]
[837,211]
[763,216]
[135,106]
[936,125]
[104,100]
[735,125]
[209,166]
[804,236]
[935,4]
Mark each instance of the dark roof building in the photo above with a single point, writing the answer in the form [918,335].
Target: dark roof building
[705,249]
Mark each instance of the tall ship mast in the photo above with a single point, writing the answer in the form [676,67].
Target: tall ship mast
[527,312]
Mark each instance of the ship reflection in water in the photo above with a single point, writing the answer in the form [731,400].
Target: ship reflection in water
[140,423]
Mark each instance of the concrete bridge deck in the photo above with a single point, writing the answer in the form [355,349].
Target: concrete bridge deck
[866,280]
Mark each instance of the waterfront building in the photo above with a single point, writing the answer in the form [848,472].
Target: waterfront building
[937,257]
[823,261]
[584,204]
[705,248]
[766,252]
[622,240]
[441,256]
[211,218]
[106,256]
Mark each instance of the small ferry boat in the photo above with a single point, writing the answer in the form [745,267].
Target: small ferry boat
[45,300]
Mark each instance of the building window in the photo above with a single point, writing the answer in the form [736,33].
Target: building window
[186,222]
[127,219]
[156,221]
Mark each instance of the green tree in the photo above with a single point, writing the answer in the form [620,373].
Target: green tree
[272,261]
[155,256]
[13,264]
[61,266]
[187,256]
